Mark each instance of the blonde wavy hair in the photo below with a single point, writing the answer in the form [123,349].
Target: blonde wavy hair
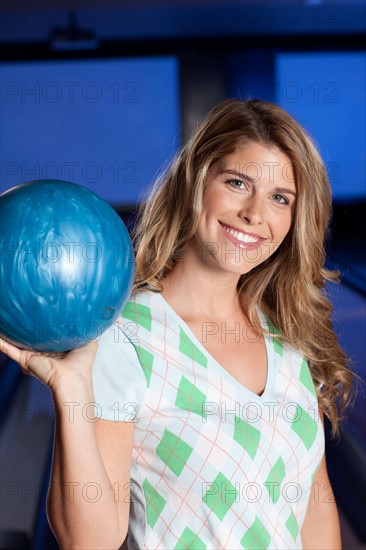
[289,286]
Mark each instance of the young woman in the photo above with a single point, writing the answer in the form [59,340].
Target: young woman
[210,392]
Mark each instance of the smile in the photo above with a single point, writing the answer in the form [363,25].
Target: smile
[245,238]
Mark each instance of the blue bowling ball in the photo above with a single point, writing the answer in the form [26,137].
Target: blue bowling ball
[67,265]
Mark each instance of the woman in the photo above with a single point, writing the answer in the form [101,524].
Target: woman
[210,392]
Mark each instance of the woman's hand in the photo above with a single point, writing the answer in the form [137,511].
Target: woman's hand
[54,369]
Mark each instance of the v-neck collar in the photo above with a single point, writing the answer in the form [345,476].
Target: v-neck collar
[215,364]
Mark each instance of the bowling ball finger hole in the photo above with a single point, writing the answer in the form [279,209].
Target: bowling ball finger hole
[108,312]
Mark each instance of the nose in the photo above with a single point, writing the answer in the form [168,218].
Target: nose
[252,210]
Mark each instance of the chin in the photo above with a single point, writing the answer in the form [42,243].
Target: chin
[238,269]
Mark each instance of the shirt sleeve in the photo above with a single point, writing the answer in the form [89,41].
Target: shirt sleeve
[119,382]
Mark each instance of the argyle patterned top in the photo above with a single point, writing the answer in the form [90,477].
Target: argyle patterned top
[214,465]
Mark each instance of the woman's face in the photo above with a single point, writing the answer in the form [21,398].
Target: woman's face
[247,208]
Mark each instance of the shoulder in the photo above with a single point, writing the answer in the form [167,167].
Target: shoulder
[141,309]
[142,296]
[119,382]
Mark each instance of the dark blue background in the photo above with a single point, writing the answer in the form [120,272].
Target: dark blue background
[106,124]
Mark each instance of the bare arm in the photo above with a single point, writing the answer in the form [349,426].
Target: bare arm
[91,457]
[87,502]
[321,528]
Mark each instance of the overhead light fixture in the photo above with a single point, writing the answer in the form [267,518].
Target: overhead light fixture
[72,37]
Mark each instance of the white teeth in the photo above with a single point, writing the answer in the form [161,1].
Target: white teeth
[242,236]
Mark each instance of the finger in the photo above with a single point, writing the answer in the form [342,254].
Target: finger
[11,351]
[20,356]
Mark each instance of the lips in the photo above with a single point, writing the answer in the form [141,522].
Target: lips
[242,236]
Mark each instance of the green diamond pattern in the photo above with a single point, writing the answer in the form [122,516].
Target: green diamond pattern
[277,344]
[275,478]
[190,398]
[146,359]
[173,451]
[305,377]
[278,347]
[313,475]
[190,349]
[304,426]
[312,479]
[257,537]
[220,496]
[247,436]
[292,525]
[154,501]
[138,313]
[189,540]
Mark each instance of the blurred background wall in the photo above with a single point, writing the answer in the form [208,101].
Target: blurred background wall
[104,92]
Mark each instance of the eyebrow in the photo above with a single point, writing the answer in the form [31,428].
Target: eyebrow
[252,180]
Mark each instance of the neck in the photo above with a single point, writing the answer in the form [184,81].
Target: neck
[200,291]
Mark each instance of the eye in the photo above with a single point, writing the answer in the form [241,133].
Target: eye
[235,183]
[281,199]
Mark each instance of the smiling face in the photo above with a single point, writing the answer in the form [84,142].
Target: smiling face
[247,208]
